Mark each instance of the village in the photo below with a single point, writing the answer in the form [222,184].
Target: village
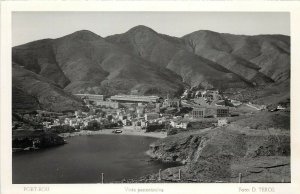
[147,113]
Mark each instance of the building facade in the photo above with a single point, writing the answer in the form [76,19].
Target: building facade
[171,103]
[198,113]
[223,112]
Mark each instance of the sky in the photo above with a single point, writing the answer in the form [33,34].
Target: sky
[30,26]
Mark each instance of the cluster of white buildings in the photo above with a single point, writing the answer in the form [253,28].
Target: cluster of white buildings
[138,111]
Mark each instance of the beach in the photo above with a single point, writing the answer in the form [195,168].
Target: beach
[127,130]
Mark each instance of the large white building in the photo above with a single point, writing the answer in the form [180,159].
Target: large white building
[91,97]
[134,98]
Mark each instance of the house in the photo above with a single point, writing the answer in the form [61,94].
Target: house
[235,102]
[71,122]
[162,121]
[198,113]
[85,113]
[144,124]
[177,117]
[56,122]
[211,95]
[184,124]
[186,92]
[175,102]
[186,116]
[200,93]
[85,123]
[222,122]
[174,123]
[136,122]
[122,117]
[179,124]
[222,112]
[66,121]
[126,122]
[279,107]
[46,124]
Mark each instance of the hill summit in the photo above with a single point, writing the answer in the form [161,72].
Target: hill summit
[148,62]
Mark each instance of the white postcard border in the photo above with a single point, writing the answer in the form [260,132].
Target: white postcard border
[176,188]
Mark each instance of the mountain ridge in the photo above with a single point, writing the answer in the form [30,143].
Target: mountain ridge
[146,61]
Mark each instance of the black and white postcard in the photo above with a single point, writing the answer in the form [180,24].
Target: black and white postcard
[148,97]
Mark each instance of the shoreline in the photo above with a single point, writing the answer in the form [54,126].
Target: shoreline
[128,130]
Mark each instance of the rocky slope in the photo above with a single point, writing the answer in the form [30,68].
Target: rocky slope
[91,64]
[206,54]
[263,57]
[39,58]
[31,92]
[23,139]
[171,53]
[220,154]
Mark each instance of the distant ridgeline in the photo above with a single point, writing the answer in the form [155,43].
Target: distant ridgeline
[47,72]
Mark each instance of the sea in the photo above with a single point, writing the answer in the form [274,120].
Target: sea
[87,159]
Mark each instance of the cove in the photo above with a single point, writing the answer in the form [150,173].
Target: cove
[83,160]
